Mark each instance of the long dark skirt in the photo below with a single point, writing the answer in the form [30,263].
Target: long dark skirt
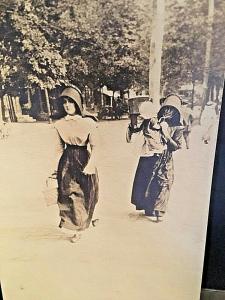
[77,192]
[152,184]
[163,181]
[142,179]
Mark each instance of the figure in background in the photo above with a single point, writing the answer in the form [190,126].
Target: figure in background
[118,108]
[187,122]
[4,130]
[209,121]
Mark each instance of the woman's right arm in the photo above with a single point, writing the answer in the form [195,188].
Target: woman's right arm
[131,130]
[59,146]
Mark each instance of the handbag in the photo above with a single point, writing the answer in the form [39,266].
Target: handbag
[50,191]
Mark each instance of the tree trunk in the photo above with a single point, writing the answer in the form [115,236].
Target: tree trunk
[17,107]
[11,109]
[48,104]
[102,99]
[212,93]
[156,50]
[217,93]
[207,55]
[29,98]
[40,99]
[121,94]
[192,94]
[86,102]
[2,109]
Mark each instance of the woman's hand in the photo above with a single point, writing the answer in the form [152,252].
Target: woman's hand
[89,169]
[164,127]
[53,175]
[129,134]
[92,163]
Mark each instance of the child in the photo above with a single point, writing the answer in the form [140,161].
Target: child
[151,129]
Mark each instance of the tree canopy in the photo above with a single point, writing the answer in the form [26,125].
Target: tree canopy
[94,43]
[90,43]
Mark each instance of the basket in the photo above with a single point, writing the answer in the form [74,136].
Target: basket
[51,191]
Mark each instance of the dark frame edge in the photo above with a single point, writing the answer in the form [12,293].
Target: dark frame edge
[210,294]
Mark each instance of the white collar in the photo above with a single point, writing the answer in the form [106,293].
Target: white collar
[74,117]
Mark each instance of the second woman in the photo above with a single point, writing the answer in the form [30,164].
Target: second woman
[155,172]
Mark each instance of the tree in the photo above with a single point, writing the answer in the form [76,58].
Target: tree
[155,59]
[121,40]
[35,60]
[85,43]
[184,43]
[217,59]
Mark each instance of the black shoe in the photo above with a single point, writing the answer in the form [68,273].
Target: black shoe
[95,222]
[159,216]
[76,237]
[149,213]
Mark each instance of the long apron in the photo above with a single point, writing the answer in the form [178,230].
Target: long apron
[143,176]
[77,192]
[152,183]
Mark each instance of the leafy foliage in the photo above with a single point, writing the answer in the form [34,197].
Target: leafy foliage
[93,43]
[185,42]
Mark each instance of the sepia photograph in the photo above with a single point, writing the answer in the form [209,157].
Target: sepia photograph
[109,114]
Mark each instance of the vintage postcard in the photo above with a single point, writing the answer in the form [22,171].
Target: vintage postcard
[108,126]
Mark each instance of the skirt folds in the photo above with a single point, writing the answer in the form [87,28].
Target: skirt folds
[152,183]
[77,192]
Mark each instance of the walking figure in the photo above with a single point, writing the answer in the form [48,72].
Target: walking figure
[187,122]
[155,172]
[76,174]
[4,131]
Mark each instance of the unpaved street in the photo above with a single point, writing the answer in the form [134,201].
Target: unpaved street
[126,256]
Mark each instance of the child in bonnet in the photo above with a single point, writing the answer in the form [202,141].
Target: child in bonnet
[152,128]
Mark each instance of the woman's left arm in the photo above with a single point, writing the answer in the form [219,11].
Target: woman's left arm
[172,136]
[175,141]
[93,140]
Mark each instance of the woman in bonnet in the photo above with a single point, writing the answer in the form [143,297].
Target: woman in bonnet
[162,133]
[76,173]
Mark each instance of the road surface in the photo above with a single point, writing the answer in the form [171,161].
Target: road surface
[126,256]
